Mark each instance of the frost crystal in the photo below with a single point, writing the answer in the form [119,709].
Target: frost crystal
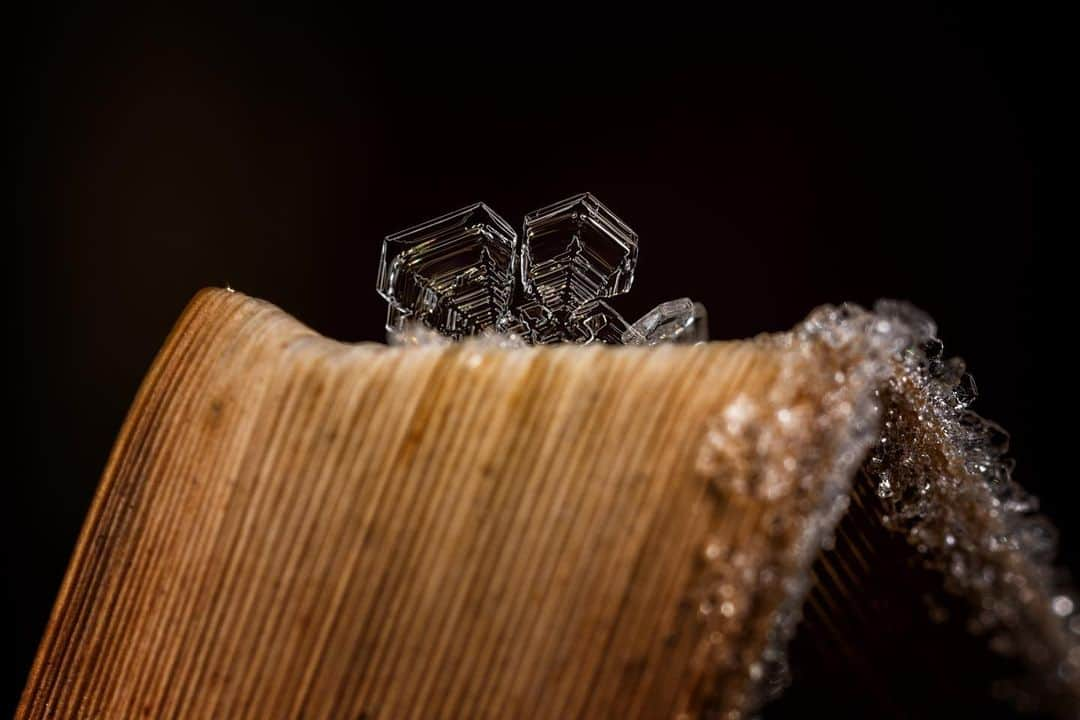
[681,321]
[466,274]
[452,273]
[575,251]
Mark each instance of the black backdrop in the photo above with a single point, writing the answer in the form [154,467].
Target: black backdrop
[769,164]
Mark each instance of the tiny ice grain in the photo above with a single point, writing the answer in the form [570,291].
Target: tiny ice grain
[467,273]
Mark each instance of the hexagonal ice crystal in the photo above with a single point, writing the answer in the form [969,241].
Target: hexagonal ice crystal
[453,273]
[575,251]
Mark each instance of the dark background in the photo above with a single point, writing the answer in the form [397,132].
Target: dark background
[769,164]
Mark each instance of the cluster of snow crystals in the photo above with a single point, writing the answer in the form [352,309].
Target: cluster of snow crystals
[467,273]
[871,388]
[942,472]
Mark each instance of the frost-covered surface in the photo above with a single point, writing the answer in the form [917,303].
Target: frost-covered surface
[942,472]
[872,388]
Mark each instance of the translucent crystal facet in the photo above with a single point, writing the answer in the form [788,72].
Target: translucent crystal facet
[395,318]
[677,321]
[596,321]
[453,273]
[538,323]
[465,274]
